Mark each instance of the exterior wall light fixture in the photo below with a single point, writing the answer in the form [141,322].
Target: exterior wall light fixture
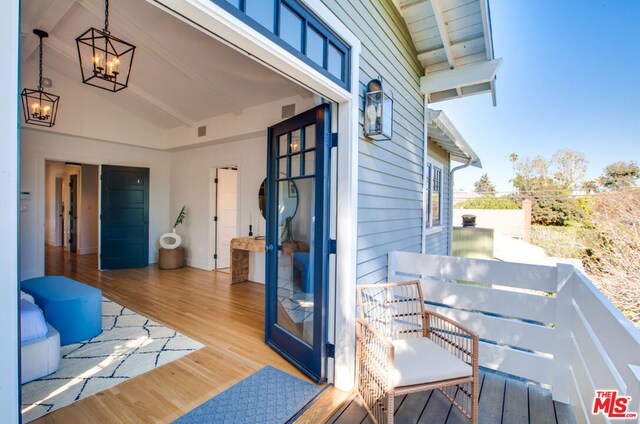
[378,111]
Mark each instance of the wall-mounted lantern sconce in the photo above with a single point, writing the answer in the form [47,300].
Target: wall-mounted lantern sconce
[378,111]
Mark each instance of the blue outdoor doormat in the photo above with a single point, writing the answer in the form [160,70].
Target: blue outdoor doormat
[267,396]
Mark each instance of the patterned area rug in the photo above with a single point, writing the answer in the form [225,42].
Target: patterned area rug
[269,396]
[128,345]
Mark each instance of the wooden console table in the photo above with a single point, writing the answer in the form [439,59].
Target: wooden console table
[240,248]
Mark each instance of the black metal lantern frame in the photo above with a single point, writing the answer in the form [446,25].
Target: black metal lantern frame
[105,60]
[38,106]
[378,111]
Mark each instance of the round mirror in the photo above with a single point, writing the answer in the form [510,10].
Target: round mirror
[262,198]
[287,203]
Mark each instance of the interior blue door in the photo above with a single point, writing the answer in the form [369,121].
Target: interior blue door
[297,242]
[124,217]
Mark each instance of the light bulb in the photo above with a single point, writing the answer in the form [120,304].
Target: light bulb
[98,61]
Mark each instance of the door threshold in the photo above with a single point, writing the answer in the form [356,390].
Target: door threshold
[321,407]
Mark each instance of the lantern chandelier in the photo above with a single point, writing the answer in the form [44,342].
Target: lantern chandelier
[105,61]
[39,107]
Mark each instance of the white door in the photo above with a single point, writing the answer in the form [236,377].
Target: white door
[227,213]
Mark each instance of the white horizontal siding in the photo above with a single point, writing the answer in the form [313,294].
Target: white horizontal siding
[390,172]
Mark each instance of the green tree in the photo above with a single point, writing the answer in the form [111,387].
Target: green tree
[513,158]
[620,175]
[590,186]
[533,176]
[570,167]
[485,186]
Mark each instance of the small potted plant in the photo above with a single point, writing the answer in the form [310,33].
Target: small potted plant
[172,240]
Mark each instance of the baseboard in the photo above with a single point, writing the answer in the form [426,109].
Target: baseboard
[87,250]
[197,264]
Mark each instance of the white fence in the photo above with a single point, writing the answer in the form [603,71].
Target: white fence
[547,324]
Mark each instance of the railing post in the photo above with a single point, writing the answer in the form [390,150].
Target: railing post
[562,330]
[391,266]
[633,390]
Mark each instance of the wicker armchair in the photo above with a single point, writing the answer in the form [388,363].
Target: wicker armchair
[403,348]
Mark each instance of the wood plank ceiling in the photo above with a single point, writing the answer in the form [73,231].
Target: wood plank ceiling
[451,35]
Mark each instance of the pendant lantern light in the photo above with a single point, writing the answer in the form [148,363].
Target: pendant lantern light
[105,61]
[39,107]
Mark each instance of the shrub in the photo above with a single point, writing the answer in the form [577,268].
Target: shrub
[615,258]
[556,210]
[488,202]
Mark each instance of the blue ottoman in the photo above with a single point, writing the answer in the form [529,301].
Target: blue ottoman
[72,308]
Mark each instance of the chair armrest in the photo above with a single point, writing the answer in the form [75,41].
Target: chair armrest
[375,353]
[452,336]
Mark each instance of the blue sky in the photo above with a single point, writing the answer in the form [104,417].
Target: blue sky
[570,79]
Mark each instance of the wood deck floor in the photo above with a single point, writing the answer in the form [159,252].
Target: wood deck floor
[228,320]
[502,401]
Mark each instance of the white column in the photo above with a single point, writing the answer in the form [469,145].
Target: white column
[9,143]
[347,232]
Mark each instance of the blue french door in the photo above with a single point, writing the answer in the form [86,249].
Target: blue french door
[124,217]
[297,242]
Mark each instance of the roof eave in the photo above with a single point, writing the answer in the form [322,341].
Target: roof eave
[439,119]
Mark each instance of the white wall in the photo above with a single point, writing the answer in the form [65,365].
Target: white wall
[89,211]
[39,145]
[191,172]
[53,170]
[95,114]
[9,144]
[231,140]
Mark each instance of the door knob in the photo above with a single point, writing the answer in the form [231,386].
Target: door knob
[269,247]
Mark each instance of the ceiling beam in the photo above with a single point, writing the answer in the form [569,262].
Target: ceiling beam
[48,19]
[71,54]
[131,30]
[444,32]
[475,73]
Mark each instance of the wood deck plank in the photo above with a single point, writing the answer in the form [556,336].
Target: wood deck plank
[564,413]
[412,407]
[541,405]
[516,402]
[437,409]
[491,398]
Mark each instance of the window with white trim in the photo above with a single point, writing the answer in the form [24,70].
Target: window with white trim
[434,193]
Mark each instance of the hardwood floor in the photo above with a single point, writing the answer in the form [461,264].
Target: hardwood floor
[228,320]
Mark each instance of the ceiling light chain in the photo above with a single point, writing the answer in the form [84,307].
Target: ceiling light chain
[40,67]
[106,17]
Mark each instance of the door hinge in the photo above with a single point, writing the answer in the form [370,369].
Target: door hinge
[215,219]
[334,139]
[330,350]
[215,181]
[332,246]
[215,256]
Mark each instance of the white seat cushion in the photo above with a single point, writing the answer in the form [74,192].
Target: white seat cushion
[419,360]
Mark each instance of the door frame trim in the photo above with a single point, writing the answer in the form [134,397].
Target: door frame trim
[221,25]
[234,162]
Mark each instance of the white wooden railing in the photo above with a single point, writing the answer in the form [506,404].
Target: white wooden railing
[548,324]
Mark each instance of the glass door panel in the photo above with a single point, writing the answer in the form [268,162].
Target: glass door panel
[297,238]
